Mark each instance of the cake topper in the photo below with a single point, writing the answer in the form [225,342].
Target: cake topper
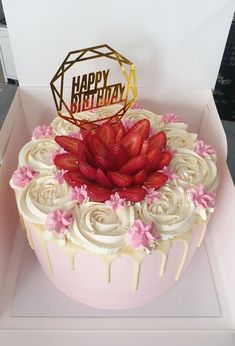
[76,88]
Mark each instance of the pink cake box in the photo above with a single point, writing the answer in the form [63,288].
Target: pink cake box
[167,48]
[196,107]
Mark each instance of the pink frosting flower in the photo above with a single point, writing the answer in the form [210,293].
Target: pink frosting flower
[171,150]
[152,195]
[127,123]
[77,135]
[79,194]
[59,176]
[115,201]
[201,198]
[58,221]
[141,234]
[169,172]
[22,176]
[42,131]
[170,118]
[137,105]
[203,149]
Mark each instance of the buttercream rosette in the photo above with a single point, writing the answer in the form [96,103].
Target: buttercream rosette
[63,127]
[173,212]
[134,115]
[179,138]
[193,170]
[100,229]
[38,154]
[41,196]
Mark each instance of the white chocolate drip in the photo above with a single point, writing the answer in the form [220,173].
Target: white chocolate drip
[163,248]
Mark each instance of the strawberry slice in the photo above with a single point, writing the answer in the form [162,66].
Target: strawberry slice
[158,141]
[87,129]
[119,154]
[97,147]
[120,180]
[102,179]
[133,194]
[134,165]
[153,157]
[140,177]
[165,159]
[86,135]
[142,127]
[87,170]
[98,194]
[145,147]
[70,144]
[83,152]
[107,134]
[105,164]
[66,161]
[119,131]
[156,180]
[133,143]
[75,178]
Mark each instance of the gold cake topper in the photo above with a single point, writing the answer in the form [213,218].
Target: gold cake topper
[92,90]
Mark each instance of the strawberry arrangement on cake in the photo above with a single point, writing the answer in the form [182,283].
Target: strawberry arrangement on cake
[115,213]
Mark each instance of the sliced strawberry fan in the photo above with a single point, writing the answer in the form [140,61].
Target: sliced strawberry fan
[111,159]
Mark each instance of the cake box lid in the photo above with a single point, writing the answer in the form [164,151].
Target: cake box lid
[172,44]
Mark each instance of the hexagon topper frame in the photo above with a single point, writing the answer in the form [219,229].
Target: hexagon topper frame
[93,98]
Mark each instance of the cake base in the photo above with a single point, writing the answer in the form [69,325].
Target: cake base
[121,282]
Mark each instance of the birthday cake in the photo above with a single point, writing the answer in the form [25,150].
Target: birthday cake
[115,199]
[115,214]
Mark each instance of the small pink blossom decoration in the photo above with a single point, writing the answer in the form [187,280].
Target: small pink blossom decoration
[169,172]
[203,149]
[77,135]
[59,176]
[171,150]
[115,201]
[58,221]
[201,198]
[22,176]
[137,105]
[79,194]
[170,118]
[141,234]
[152,195]
[42,131]
[127,123]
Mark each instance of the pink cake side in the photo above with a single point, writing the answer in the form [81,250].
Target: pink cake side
[120,285]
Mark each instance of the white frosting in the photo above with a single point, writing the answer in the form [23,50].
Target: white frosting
[173,213]
[96,226]
[174,126]
[62,127]
[42,196]
[38,155]
[138,114]
[178,138]
[194,170]
[99,229]
[107,111]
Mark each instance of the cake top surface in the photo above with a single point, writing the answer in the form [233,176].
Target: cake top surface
[130,185]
